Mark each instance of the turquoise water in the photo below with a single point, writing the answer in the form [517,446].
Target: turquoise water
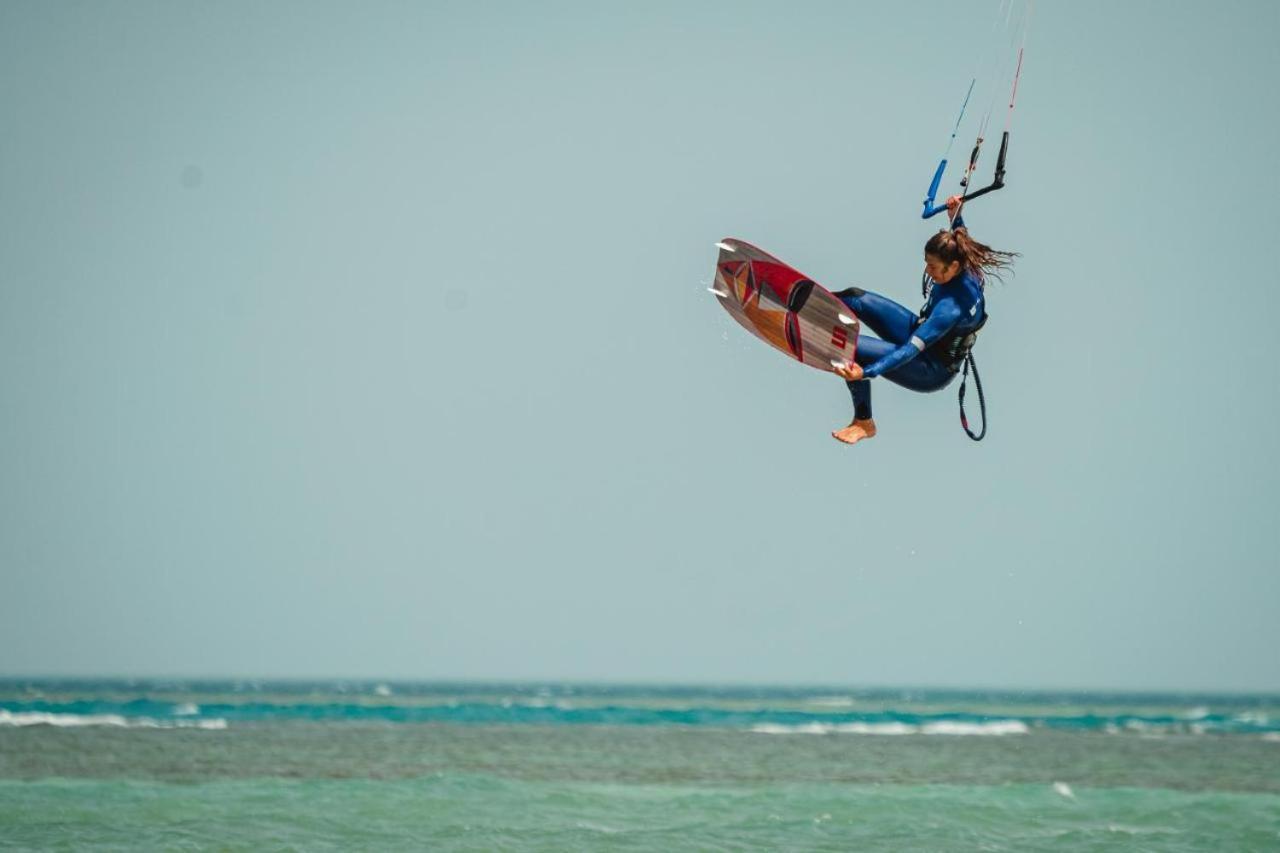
[129,765]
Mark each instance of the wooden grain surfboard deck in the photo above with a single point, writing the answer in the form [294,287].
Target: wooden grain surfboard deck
[784,308]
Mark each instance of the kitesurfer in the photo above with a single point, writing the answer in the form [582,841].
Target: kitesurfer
[921,352]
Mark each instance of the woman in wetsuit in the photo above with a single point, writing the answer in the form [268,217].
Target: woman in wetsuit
[922,353]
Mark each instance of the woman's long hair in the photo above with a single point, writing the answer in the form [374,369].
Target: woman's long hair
[978,258]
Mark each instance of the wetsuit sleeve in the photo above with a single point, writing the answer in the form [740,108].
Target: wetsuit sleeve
[959,223]
[942,319]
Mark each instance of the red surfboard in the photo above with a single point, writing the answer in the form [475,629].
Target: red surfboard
[784,308]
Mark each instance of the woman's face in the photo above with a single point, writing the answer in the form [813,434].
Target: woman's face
[939,271]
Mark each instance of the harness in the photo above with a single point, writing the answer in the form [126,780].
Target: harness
[953,349]
[955,352]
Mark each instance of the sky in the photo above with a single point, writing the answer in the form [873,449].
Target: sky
[373,340]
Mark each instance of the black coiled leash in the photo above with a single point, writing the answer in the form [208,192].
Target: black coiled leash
[982,402]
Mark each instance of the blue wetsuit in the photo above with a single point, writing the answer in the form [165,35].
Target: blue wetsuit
[906,353]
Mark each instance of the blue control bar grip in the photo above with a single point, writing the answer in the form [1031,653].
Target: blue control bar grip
[929,208]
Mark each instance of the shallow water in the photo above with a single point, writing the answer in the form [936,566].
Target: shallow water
[544,767]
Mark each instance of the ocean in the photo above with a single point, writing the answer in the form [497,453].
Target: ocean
[349,765]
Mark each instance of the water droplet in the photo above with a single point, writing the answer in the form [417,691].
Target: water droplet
[456,299]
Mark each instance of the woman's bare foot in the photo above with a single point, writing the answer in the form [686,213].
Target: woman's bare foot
[856,431]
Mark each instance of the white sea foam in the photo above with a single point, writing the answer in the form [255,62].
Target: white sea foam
[1197,713]
[382,690]
[940,727]
[186,709]
[215,724]
[877,729]
[802,729]
[1273,737]
[537,704]
[993,727]
[1255,717]
[42,718]
[832,701]
[1064,790]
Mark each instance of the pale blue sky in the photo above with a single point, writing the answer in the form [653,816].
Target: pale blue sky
[373,340]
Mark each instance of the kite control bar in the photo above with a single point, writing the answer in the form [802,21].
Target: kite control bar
[932,209]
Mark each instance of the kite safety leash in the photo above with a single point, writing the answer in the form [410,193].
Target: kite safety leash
[982,401]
